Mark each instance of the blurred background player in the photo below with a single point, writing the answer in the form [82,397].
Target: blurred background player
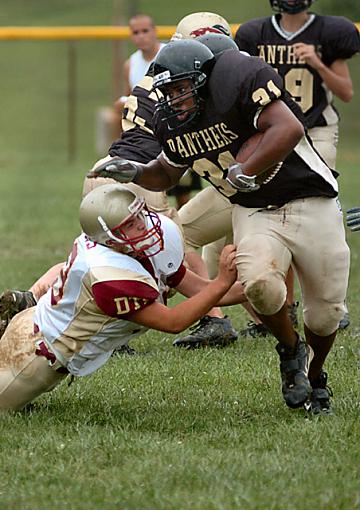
[309,51]
[144,36]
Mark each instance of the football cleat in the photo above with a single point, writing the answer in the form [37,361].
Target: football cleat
[124,349]
[294,367]
[345,321]
[208,332]
[319,401]
[11,303]
[254,330]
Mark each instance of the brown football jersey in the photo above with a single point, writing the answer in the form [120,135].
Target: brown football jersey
[229,117]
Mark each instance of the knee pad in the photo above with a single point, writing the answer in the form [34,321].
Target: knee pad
[324,319]
[266,293]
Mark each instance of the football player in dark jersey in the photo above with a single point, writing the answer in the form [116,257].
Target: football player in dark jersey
[309,51]
[280,193]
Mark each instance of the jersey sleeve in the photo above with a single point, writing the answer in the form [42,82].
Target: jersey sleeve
[175,279]
[138,141]
[258,90]
[117,298]
[340,39]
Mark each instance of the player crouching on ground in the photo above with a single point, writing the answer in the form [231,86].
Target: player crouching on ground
[112,288]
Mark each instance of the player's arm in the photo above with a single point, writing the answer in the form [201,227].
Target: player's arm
[282,132]
[41,286]
[336,76]
[176,319]
[192,284]
[157,175]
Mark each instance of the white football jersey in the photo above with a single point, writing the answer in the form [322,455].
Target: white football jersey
[69,313]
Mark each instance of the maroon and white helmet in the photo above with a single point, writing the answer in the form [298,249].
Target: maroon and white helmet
[200,23]
[105,211]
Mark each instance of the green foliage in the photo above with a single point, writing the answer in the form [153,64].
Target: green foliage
[349,8]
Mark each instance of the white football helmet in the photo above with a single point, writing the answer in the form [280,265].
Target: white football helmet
[200,23]
[104,213]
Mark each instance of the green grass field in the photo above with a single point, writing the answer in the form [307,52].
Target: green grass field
[163,429]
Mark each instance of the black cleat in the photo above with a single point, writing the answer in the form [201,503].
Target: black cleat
[345,321]
[294,367]
[292,311]
[208,332]
[254,330]
[11,303]
[319,401]
[124,349]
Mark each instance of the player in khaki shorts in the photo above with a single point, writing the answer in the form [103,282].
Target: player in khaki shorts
[284,195]
[313,73]
[112,288]
[310,52]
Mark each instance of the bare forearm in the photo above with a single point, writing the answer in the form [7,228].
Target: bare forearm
[280,138]
[339,85]
[193,284]
[40,287]
[234,296]
[153,177]
[184,314]
[157,177]
[192,309]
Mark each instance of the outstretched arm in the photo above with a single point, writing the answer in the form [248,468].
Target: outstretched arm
[157,175]
[176,319]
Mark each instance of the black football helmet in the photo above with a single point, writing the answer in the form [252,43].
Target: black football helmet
[181,60]
[218,43]
[290,6]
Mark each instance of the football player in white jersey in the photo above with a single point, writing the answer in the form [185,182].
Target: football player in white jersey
[113,287]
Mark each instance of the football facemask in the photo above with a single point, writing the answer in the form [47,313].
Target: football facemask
[145,245]
[181,61]
[290,6]
[105,215]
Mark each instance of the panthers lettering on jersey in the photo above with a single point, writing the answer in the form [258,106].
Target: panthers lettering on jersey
[137,141]
[209,144]
[334,38]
